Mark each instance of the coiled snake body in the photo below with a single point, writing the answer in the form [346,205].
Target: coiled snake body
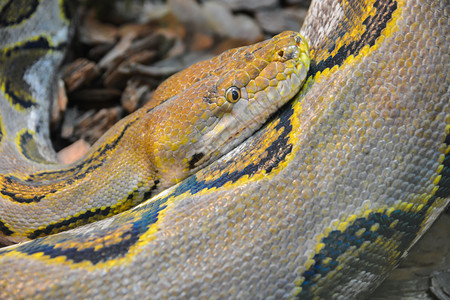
[192,120]
[323,201]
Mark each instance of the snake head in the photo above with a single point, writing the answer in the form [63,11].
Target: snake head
[266,76]
[224,100]
[256,81]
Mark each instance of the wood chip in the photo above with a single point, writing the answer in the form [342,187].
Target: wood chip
[59,104]
[201,41]
[156,42]
[92,32]
[118,76]
[95,98]
[73,152]
[140,30]
[133,95]
[178,48]
[275,21]
[91,128]
[118,51]
[154,71]
[127,48]
[97,52]
[80,73]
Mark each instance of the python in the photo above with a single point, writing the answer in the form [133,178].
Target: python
[195,117]
[321,202]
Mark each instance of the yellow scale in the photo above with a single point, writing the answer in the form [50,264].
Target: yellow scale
[322,202]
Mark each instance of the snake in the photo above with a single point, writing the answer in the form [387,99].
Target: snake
[322,201]
[192,121]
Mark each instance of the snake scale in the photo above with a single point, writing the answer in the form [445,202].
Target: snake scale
[192,120]
[322,202]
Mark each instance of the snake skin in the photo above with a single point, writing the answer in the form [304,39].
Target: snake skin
[196,116]
[321,203]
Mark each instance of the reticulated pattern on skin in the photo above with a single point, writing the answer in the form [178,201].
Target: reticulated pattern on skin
[26,140]
[275,150]
[388,231]
[1,130]
[31,45]
[366,173]
[15,61]
[44,181]
[53,187]
[17,11]
[67,10]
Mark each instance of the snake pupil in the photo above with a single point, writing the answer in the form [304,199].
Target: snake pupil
[235,95]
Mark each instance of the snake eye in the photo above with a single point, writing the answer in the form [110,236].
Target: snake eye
[233,94]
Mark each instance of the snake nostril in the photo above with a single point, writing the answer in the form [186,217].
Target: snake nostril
[281,53]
